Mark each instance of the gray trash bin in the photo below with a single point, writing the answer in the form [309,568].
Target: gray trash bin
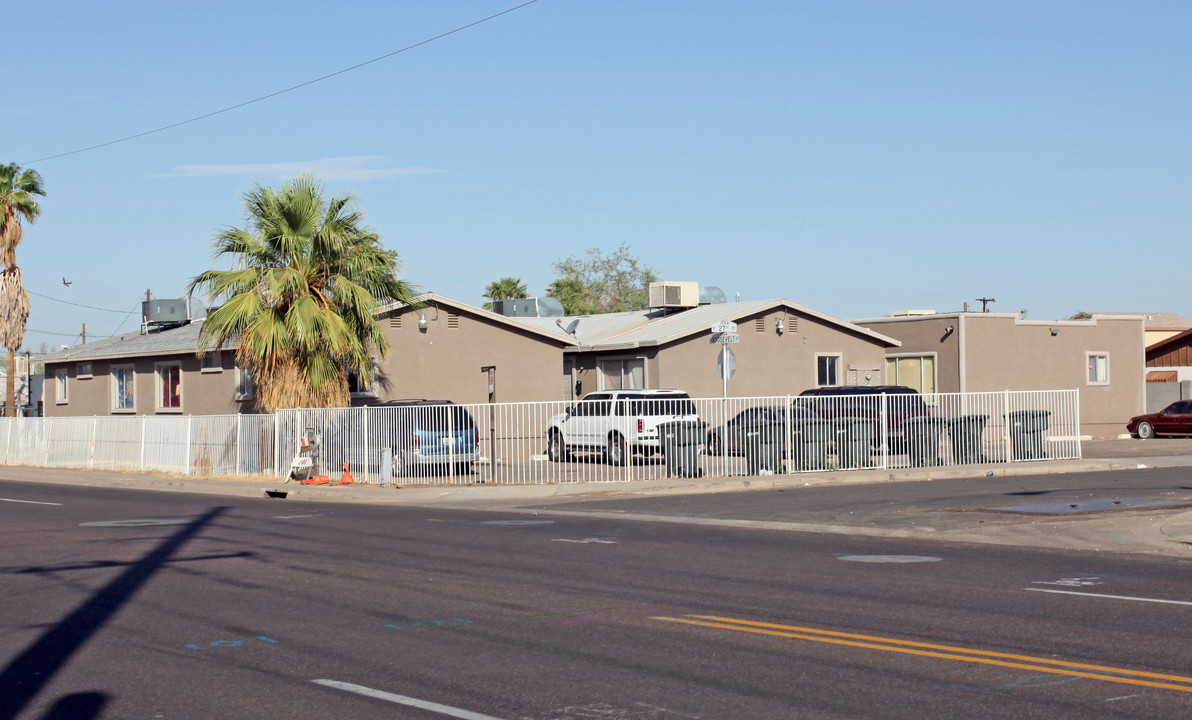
[854,436]
[965,432]
[1026,433]
[809,443]
[922,437]
[763,444]
[680,443]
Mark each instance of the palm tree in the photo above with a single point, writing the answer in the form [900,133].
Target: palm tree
[299,306]
[507,288]
[18,201]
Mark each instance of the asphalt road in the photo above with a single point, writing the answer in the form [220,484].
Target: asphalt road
[130,604]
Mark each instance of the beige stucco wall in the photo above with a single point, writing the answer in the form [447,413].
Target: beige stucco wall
[210,392]
[992,352]
[767,363]
[444,361]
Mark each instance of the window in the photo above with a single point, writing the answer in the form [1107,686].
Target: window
[912,372]
[827,370]
[84,370]
[1098,368]
[169,386]
[245,387]
[60,386]
[356,387]
[212,361]
[122,387]
[623,374]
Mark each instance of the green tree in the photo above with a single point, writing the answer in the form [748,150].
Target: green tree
[19,190]
[600,283]
[300,304]
[507,288]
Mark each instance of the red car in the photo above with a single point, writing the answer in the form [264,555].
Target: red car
[1175,419]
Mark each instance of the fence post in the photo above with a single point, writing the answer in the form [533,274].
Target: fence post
[91,450]
[1008,446]
[239,440]
[189,439]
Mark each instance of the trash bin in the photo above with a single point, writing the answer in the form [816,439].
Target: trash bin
[922,435]
[965,433]
[763,444]
[680,444]
[809,443]
[1026,433]
[854,436]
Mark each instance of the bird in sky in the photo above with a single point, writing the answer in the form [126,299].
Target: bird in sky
[64,282]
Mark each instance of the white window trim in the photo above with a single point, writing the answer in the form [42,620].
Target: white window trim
[132,369]
[157,386]
[252,385]
[839,369]
[935,366]
[206,358]
[1087,357]
[61,397]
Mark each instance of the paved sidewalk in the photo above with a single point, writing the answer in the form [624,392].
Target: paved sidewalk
[1168,532]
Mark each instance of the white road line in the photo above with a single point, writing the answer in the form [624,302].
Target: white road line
[403,700]
[1111,597]
[31,502]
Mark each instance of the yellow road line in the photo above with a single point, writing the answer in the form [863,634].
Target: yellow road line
[947,652]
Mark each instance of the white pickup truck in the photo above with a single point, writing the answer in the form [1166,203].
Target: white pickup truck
[617,422]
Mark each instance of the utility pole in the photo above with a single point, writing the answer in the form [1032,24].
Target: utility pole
[985,303]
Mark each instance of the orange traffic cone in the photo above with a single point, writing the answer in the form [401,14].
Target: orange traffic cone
[347,478]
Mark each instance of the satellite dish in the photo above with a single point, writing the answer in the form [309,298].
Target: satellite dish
[570,328]
[1022,314]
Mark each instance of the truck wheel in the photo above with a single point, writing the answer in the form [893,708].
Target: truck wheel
[616,450]
[556,449]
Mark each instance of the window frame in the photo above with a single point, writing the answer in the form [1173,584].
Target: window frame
[246,384]
[207,357]
[838,365]
[115,372]
[61,394]
[1088,368]
[160,382]
[84,371]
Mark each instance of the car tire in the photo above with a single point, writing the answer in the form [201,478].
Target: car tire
[1146,431]
[616,450]
[715,444]
[399,463]
[556,449]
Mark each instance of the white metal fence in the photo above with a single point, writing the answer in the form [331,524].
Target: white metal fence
[508,443]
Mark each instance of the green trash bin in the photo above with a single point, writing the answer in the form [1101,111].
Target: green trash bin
[680,441]
[762,443]
[854,437]
[965,434]
[1026,433]
[809,443]
[922,439]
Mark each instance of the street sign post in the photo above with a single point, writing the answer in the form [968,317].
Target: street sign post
[724,333]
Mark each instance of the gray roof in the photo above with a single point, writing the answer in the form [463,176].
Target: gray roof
[171,340]
[654,327]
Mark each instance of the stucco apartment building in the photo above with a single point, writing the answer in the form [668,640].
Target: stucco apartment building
[444,349]
[1102,356]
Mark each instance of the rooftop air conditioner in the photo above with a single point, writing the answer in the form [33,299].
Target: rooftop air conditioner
[674,294]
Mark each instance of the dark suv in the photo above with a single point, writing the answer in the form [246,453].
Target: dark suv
[865,401]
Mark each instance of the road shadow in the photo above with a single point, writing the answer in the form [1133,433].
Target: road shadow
[23,678]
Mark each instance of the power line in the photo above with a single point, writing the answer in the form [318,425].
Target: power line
[67,302]
[282,92]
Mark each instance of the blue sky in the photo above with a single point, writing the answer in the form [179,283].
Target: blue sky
[855,157]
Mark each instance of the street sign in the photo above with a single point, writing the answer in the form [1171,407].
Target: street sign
[726,370]
[725,338]
[724,326]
